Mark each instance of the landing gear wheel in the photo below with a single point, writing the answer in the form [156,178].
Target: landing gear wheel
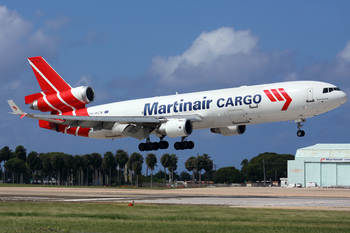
[142,146]
[163,145]
[191,145]
[177,145]
[155,146]
[301,133]
[183,145]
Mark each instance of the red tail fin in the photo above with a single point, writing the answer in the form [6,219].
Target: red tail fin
[57,95]
[48,78]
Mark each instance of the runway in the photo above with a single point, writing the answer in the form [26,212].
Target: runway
[335,199]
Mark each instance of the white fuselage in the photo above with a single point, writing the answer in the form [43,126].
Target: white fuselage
[233,106]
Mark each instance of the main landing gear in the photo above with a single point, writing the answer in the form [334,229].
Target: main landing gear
[149,146]
[300,133]
[183,145]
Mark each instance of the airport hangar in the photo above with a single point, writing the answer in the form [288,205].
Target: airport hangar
[326,164]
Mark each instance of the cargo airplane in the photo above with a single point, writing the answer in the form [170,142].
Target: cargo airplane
[226,111]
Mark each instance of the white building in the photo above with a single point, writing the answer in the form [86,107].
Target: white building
[326,164]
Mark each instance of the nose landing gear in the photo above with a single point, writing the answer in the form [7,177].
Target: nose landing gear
[300,133]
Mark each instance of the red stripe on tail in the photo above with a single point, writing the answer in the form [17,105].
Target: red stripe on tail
[48,79]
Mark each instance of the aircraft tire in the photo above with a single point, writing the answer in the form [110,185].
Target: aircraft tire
[177,145]
[184,145]
[163,145]
[166,145]
[301,133]
[155,146]
[142,146]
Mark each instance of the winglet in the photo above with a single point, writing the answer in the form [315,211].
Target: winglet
[16,110]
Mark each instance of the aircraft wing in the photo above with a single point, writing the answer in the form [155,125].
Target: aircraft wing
[98,122]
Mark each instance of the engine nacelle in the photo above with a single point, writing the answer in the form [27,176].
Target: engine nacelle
[229,130]
[176,128]
[64,101]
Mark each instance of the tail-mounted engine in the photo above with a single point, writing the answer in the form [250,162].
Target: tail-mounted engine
[176,128]
[229,130]
[75,98]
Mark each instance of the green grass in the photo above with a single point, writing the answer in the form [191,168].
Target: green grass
[78,217]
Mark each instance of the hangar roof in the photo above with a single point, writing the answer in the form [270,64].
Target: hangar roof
[340,150]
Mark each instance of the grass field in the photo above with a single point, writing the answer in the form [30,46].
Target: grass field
[80,217]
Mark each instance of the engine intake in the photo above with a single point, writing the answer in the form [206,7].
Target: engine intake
[176,128]
[64,101]
[229,130]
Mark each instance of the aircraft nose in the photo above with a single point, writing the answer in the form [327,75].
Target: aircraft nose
[343,97]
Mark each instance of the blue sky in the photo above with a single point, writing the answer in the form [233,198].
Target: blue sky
[134,49]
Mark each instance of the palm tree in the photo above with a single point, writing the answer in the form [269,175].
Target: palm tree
[151,161]
[121,157]
[34,163]
[190,165]
[165,160]
[5,155]
[137,168]
[79,165]
[172,165]
[15,165]
[47,166]
[69,163]
[134,157]
[108,163]
[207,163]
[96,163]
[57,164]
[244,164]
[21,153]
[86,163]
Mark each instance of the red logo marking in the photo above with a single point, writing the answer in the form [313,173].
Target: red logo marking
[15,108]
[276,95]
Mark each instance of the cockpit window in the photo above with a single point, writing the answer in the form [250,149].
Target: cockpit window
[330,89]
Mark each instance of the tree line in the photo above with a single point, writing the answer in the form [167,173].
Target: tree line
[93,169]
[90,169]
[266,166]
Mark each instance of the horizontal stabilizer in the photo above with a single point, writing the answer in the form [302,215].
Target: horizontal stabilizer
[16,110]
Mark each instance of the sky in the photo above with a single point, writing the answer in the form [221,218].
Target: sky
[134,49]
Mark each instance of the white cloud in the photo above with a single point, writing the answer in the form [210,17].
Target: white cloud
[85,80]
[94,36]
[345,53]
[19,40]
[336,71]
[57,23]
[222,57]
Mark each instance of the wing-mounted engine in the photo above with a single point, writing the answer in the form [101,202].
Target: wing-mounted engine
[68,100]
[229,130]
[176,128]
